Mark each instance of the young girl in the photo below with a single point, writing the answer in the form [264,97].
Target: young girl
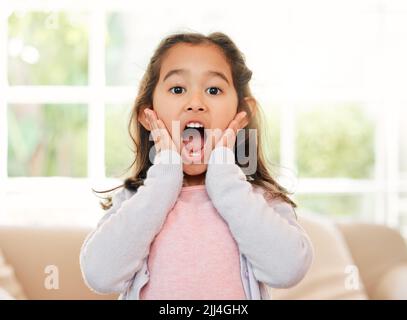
[189,223]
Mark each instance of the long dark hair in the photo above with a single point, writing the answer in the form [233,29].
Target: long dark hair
[241,77]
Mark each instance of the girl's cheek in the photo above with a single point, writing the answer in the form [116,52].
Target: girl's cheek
[172,124]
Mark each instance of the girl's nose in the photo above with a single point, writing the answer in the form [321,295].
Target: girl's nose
[193,107]
[196,103]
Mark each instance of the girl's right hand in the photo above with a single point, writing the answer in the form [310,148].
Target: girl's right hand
[162,138]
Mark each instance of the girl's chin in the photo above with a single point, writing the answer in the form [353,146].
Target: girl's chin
[194,169]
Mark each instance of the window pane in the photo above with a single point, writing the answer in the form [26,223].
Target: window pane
[47,140]
[403,143]
[272,132]
[403,213]
[126,49]
[47,48]
[340,206]
[130,40]
[118,145]
[335,141]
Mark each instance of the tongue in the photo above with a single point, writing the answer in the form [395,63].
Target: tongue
[193,140]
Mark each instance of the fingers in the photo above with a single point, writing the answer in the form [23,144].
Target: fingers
[152,120]
[228,138]
[159,131]
[239,122]
[244,120]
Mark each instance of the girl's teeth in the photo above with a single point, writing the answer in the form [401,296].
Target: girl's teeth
[194,125]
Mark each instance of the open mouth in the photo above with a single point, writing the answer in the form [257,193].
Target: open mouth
[193,140]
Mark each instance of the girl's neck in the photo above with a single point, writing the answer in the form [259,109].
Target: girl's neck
[194,180]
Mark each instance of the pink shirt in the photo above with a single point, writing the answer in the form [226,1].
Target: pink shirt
[194,256]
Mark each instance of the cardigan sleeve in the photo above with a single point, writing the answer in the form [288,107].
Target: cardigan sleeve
[112,254]
[266,232]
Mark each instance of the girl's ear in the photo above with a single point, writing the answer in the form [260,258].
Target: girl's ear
[142,118]
[251,105]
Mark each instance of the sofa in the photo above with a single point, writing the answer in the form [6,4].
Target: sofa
[352,261]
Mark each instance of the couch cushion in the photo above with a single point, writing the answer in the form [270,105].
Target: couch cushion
[393,285]
[33,249]
[9,285]
[376,249]
[332,273]
[4,295]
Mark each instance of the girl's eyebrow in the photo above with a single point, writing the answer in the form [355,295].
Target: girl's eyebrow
[209,73]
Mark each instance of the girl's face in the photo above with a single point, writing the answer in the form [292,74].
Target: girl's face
[195,84]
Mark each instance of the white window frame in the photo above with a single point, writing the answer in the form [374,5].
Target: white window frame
[386,185]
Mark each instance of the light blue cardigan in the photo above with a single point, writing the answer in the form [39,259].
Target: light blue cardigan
[274,249]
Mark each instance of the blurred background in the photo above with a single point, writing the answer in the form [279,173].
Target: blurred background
[331,77]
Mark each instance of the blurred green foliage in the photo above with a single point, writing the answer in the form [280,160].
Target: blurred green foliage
[118,145]
[115,42]
[47,140]
[61,41]
[335,141]
[272,133]
[337,205]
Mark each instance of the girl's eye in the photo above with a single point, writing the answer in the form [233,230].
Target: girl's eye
[178,90]
[214,90]
[211,90]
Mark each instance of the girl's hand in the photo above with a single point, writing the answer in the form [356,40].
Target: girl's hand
[228,137]
[161,136]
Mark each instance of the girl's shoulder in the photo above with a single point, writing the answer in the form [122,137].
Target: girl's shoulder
[122,194]
[127,193]
[276,203]
[118,197]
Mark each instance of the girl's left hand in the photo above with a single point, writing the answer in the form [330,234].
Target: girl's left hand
[228,137]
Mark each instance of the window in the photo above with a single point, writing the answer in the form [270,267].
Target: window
[335,141]
[119,153]
[47,48]
[334,99]
[47,140]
